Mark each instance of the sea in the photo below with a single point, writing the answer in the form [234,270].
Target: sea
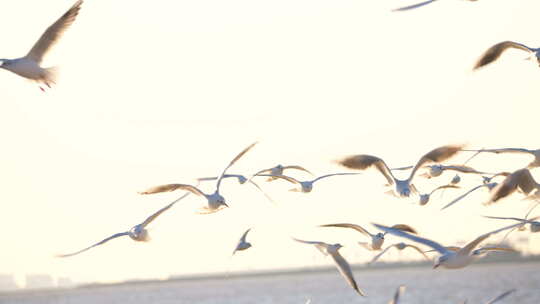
[477,283]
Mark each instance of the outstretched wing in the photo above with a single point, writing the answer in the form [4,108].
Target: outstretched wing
[437,155]
[352,226]
[173,187]
[406,228]
[410,7]
[364,161]
[152,217]
[334,174]
[297,168]
[441,249]
[502,296]
[417,249]
[494,52]
[463,195]
[376,258]
[345,270]
[96,244]
[397,295]
[232,163]
[53,33]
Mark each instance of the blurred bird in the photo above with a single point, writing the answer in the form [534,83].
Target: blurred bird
[377,240]
[342,264]
[494,52]
[398,246]
[450,259]
[519,180]
[242,243]
[501,296]
[278,171]
[403,188]
[29,65]
[241,180]
[305,186]
[424,198]
[397,295]
[215,200]
[535,153]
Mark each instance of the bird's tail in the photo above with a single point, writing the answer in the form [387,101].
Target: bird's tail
[50,76]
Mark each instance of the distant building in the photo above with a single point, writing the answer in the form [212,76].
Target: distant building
[34,281]
[7,282]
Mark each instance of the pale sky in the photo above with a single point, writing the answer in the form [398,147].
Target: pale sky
[154,92]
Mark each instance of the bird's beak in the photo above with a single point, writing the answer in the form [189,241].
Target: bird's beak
[225,204]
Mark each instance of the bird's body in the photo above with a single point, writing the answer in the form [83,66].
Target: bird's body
[402,188]
[29,66]
[340,262]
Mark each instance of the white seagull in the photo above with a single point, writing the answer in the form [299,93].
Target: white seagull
[242,243]
[424,198]
[341,264]
[138,233]
[494,52]
[417,5]
[402,188]
[377,240]
[241,180]
[306,186]
[534,225]
[215,200]
[279,170]
[29,65]
[535,153]
[399,246]
[449,259]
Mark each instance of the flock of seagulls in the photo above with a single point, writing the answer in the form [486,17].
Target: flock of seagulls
[449,257]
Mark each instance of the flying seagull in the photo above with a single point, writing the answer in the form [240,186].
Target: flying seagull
[494,52]
[399,246]
[449,259]
[402,188]
[29,65]
[138,233]
[242,243]
[306,186]
[377,240]
[519,180]
[424,198]
[534,225]
[279,170]
[535,153]
[215,200]
[241,180]
[341,264]
[501,296]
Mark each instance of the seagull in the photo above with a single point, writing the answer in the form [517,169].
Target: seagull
[450,259]
[377,240]
[403,188]
[138,233]
[241,180]
[489,186]
[242,244]
[278,170]
[305,186]
[342,264]
[494,52]
[215,200]
[399,246]
[399,292]
[417,5]
[519,180]
[438,169]
[29,65]
[424,198]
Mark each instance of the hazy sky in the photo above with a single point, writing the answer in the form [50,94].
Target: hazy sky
[153,92]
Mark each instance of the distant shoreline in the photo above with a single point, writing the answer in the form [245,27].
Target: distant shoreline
[493,259]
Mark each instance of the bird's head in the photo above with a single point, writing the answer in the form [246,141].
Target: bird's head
[380,235]
[338,246]
[535,226]
[242,179]
[4,63]
[439,261]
